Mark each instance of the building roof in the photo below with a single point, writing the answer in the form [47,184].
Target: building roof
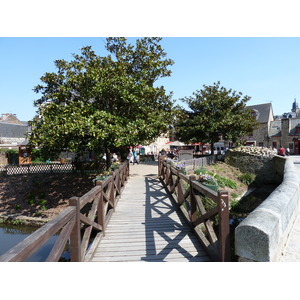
[13,130]
[263,111]
[275,128]
[294,123]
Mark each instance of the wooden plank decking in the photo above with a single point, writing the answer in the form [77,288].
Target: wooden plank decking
[146,226]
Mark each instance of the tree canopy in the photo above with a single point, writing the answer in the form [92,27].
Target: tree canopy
[215,111]
[95,102]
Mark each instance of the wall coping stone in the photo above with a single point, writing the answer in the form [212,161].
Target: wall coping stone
[261,236]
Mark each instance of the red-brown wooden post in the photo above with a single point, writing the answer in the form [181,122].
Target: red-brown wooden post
[119,179]
[127,169]
[75,238]
[112,190]
[179,189]
[193,200]
[100,209]
[159,166]
[224,228]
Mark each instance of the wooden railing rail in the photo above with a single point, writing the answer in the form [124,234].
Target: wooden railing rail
[199,206]
[85,215]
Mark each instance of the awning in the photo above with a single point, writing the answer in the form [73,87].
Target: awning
[175,143]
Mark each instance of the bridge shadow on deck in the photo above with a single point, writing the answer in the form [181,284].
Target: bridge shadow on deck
[168,236]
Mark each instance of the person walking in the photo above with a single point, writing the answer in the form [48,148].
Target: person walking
[287,151]
[135,154]
[130,156]
[281,151]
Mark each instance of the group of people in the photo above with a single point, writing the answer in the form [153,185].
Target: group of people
[114,157]
[171,154]
[133,156]
[282,151]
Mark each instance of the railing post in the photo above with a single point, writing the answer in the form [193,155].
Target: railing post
[179,189]
[159,166]
[224,228]
[75,237]
[193,200]
[112,190]
[100,209]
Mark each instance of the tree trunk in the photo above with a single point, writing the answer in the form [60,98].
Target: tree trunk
[108,158]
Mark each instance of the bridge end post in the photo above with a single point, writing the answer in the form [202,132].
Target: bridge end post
[75,238]
[224,228]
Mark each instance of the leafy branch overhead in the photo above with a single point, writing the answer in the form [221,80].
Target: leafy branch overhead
[108,101]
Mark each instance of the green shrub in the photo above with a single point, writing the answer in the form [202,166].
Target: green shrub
[234,195]
[201,170]
[17,206]
[223,181]
[247,178]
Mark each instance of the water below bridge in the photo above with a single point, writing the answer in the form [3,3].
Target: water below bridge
[11,235]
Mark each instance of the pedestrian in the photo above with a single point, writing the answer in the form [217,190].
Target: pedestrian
[281,151]
[130,156]
[287,151]
[114,158]
[135,154]
[138,158]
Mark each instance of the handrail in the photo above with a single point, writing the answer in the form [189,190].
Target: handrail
[90,212]
[189,195]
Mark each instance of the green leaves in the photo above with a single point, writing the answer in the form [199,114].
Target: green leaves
[109,101]
[215,112]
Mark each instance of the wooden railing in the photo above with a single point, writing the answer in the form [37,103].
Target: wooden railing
[193,198]
[75,224]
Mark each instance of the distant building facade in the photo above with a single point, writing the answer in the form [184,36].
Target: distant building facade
[12,131]
[274,132]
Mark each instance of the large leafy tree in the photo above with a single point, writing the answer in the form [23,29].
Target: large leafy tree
[102,102]
[215,111]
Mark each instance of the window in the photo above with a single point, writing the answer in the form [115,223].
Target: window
[260,144]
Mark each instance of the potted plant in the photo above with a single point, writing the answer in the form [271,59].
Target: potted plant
[181,168]
[102,176]
[115,165]
[208,181]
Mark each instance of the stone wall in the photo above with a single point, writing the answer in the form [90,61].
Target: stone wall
[3,158]
[256,160]
[262,235]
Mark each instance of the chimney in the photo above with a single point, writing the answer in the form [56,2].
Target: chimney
[285,131]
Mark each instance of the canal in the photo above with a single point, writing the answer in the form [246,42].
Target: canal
[11,235]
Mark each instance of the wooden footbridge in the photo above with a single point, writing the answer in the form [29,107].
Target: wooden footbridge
[148,213]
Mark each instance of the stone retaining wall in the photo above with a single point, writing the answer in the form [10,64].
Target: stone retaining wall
[260,161]
[261,236]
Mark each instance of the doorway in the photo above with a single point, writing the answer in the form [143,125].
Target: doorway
[296,147]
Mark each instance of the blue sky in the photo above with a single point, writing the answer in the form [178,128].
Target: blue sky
[266,69]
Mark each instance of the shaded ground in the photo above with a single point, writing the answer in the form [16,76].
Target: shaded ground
[40,195]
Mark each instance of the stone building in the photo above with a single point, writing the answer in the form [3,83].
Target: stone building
[264,116]
[273,133]
[12,131]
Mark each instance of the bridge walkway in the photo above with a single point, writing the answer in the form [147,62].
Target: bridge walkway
[146,226]
[291,252]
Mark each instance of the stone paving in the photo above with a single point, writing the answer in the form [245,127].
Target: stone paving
[291,252]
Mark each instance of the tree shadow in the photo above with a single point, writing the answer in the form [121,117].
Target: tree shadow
[168,237]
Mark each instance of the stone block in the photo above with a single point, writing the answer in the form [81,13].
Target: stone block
[261,236]
[255,237]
